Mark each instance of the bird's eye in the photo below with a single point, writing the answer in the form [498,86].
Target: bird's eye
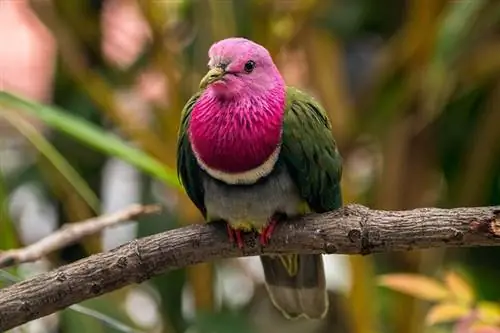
[249,66]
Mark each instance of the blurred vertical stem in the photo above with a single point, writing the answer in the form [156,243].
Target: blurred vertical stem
[363,314]
[482,64]
[484,149]
[222,19]
[388,196]
[261,17]
[327,77]
[419,34]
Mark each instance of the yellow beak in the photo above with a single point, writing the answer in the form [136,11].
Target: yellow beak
[212,75]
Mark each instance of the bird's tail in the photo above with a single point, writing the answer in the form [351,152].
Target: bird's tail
[296,284]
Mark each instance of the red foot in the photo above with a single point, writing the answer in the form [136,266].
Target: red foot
[267,232]
[235,235]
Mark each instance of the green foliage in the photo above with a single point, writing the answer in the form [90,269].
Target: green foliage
[91,135]
[58,161]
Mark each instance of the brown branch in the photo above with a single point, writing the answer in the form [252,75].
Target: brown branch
[353,229]
[71,233]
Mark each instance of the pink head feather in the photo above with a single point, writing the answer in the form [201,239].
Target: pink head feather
[237,122]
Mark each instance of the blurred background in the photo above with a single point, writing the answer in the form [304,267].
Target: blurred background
[412,88]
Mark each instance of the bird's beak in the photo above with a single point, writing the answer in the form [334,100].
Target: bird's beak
[212,75]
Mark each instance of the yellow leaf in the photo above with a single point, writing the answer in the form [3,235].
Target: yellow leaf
[489,312]
[418,286]
[459,288]
[446,312]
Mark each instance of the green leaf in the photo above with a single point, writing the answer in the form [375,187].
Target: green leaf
[459,18]
[92,135]
[7,278]
[57,160]
[452,37]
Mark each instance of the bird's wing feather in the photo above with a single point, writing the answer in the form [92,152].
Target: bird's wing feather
[296,283]
[310,153]
[188,169]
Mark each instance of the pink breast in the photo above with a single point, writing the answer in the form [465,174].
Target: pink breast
[235,137]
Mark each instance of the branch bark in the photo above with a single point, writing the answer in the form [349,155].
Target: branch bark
[353,229]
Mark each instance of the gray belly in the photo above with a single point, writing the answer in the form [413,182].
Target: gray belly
[253,204]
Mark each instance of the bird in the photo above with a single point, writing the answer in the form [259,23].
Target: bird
[253,152]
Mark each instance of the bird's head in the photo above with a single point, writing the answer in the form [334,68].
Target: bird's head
[238,66]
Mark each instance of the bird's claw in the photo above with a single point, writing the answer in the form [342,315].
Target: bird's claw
[267,232]
[235,236]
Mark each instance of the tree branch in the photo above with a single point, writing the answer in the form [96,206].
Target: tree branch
[71,233]
[353,229]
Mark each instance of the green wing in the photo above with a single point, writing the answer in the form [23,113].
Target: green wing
[187,168]
[310,153]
